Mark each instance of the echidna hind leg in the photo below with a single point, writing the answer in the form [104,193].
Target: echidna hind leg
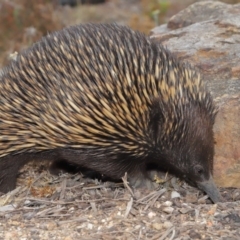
[11,164]
[9,167]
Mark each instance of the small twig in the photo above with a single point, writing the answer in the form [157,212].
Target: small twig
[50,210]
[139,234]
[161,236]
[63,189]
[7,197]
[93,187]
[93,205]
[73,220]
[129,207]
[125,183]
[152,195]
[154,198]
[166,233]
[173,234]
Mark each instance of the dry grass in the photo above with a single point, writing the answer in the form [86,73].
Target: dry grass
[72,207]
[152,13]
[23,22]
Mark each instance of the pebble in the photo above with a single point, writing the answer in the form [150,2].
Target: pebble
[167,204]
[175,194]
[151,214]
[167,224]
[157,226]
[168,209]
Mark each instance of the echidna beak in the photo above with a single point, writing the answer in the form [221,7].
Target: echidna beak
[211,189]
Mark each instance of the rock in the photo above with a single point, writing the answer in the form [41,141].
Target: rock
[207,34]
[175,194]
[157,226]
[208,9]
[167,224]
[168,210]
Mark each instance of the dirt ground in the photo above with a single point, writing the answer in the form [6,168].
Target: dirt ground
[69,207]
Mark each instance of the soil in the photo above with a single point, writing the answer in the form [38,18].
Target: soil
[68,207]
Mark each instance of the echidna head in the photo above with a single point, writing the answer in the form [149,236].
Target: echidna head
[185,143]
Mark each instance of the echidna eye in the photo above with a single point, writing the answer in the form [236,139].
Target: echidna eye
[199,170]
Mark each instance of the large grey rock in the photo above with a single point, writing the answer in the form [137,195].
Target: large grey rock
[207,34]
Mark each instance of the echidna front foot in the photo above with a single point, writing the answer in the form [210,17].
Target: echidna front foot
[61,165]
[142,182]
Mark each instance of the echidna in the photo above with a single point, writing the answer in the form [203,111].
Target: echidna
[107,98]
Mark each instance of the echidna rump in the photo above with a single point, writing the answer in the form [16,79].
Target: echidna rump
[109,99]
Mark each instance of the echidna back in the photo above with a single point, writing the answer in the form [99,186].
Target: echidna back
[89,86]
